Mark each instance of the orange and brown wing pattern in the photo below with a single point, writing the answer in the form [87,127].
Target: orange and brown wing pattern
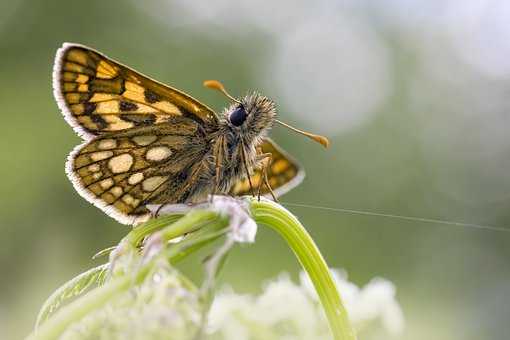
[98,95]
[283,173]
[123,172]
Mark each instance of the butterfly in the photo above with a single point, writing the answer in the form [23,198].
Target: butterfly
[146,143]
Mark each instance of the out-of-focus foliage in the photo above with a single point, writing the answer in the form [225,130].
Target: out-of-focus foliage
[413,94]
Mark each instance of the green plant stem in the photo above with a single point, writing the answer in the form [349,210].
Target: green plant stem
[296,236]
[136,235]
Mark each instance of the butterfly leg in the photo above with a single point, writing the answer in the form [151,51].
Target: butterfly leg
[156,213]
[266,158]
[216,176]
[218,158]
[243,155]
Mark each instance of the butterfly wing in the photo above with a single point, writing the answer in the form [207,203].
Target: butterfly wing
[284,173]
[98,95]
[122,172]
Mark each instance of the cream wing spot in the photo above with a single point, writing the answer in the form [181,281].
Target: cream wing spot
[106,144]
[83,88]
[100,155]
[167,107]
[120,163]
[94,167]
[115,123]
[99,97]
[158,153]
[152,183]
[128,199]
[120,125]
[105,70]
[106,183]
[77,56]
[77,109]
[69,76]
[135,178]
[141,108]
[82,78]
[135,96]
[72,98]
[130,86]
[111,106]
[134,92]
[116,191]
[144,140]
[76,68]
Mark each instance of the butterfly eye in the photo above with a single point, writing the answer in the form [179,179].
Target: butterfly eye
[238,116]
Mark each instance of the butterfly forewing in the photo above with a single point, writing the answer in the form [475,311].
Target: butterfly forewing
[99,95]
[284,173]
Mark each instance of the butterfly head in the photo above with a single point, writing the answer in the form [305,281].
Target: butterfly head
[252,115]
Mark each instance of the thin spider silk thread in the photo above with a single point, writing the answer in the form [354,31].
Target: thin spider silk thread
[401,217]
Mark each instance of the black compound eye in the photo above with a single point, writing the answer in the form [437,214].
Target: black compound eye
[238,116]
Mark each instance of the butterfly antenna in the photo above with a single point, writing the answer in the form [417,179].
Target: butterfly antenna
[216,85]
[319,139]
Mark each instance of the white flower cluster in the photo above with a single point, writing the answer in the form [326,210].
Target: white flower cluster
[165,306]
[162,307]
[286,310]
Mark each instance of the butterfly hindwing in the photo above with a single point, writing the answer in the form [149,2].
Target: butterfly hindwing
[284,173]
[99,95]
[124,171]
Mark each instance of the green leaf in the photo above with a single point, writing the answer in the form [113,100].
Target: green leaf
[70,289]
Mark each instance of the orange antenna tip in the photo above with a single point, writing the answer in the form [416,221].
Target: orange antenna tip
[214,84]
[319,139]
[324,141]
[217,85]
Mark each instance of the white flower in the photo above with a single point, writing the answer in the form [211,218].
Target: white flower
[286,310]
[283,311]
[243,227]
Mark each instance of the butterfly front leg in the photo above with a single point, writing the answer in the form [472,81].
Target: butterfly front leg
[265,159]
[217,169]
[280,170]
[219,151]
[247,171]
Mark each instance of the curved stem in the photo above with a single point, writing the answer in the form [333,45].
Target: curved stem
[136,235]
[296,236]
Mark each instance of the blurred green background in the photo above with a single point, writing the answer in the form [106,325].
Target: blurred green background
[413,94]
